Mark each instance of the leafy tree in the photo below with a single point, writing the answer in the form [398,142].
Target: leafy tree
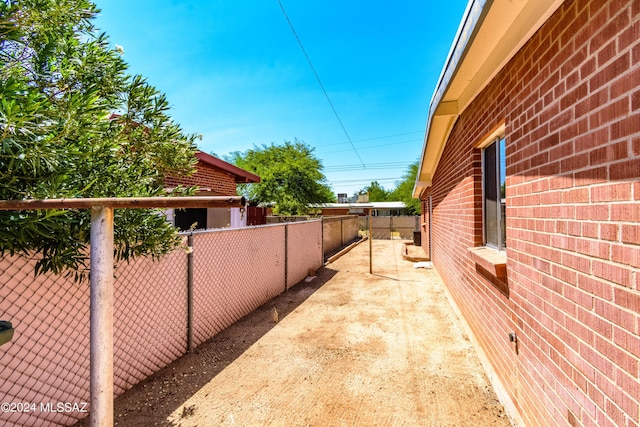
[60,85]
[376,192]
[290,176]
[404,190]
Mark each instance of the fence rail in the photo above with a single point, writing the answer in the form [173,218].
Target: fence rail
[234,272]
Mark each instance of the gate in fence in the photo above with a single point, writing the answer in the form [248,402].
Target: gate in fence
[390,227]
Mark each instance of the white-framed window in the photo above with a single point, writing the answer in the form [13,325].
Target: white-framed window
[494,194]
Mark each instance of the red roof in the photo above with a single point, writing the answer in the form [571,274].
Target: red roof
[241,176]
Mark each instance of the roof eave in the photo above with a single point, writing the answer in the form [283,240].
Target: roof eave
[490,34]
[240,176]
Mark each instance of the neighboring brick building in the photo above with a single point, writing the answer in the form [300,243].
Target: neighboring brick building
[538,111]
[214,177]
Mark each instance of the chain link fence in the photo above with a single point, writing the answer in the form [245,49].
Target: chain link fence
[302,262]
[47,361]
[149,317]
[235,272]
[48,358]
[338,231]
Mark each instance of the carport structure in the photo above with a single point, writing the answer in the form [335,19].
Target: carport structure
[346,348]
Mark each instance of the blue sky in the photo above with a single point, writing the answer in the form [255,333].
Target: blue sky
[234,72]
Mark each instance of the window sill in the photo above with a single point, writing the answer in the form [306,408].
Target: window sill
[492,260]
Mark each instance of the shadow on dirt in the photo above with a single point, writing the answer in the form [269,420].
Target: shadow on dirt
[151,401]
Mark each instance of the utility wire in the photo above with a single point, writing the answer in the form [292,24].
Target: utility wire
[320,83]
[348,182]
[344,168]
[370,139]
[372,146]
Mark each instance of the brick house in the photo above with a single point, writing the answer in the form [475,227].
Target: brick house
[214,177]
[530,188]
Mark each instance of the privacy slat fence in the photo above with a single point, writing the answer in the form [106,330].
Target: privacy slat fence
[47,362]
[338,231]
[390,227]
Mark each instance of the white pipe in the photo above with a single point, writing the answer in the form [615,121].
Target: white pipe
[101,323]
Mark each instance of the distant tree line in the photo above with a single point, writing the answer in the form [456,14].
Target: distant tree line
[403,191]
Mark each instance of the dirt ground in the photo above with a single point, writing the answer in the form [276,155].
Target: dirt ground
[348,348]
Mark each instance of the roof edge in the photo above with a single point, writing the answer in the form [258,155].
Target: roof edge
[240,175]
[464,76]
[472,16]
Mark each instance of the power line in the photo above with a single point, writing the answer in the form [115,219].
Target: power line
[320,83]
[345,168]
[366,181]
[372,139]
[363,183]
[372,146]
[354,169]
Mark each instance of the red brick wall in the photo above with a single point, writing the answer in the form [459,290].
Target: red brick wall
[570,100]
[206,176]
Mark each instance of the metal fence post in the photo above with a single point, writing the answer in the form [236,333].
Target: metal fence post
[286,255]
[190,293]
[101,317]
[322,240]
[370,244]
